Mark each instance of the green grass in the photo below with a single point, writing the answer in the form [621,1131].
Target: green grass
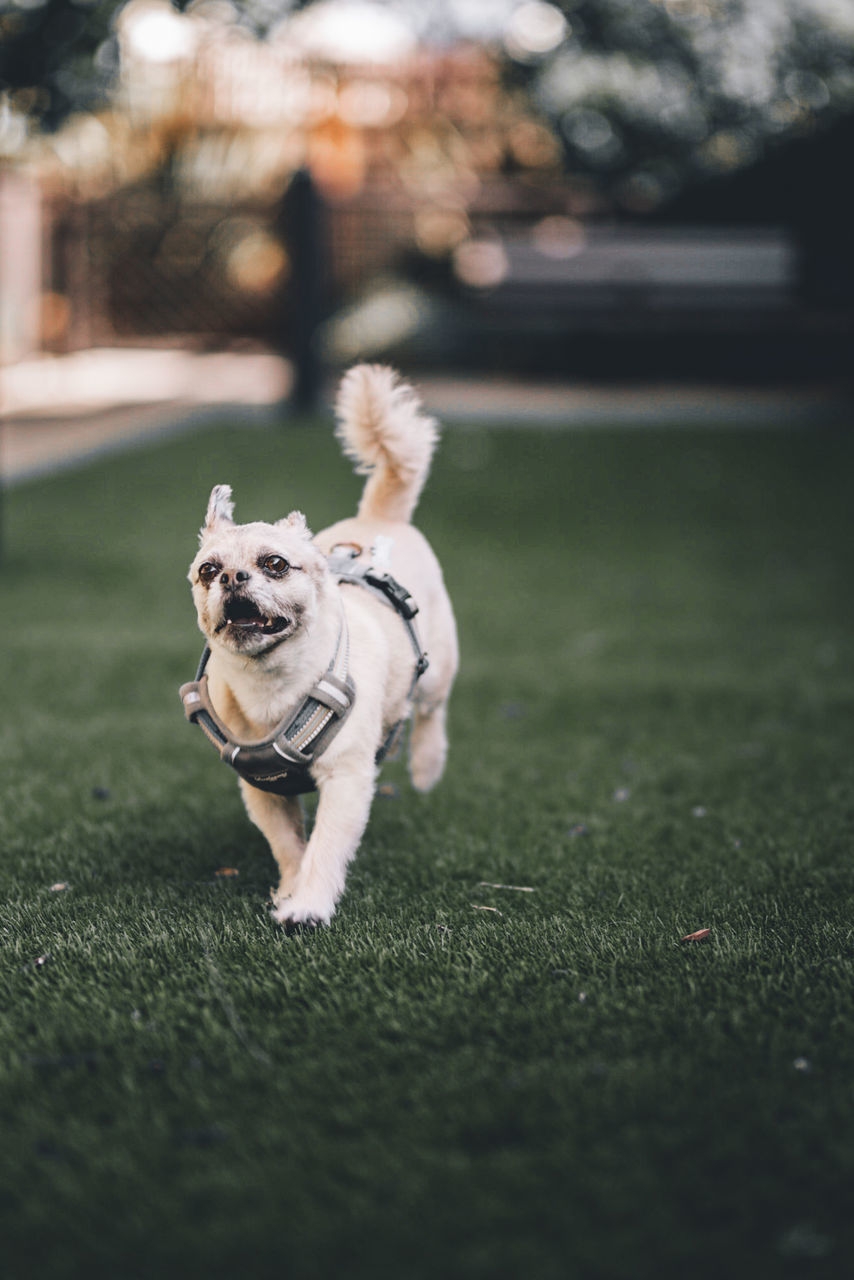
[652,728]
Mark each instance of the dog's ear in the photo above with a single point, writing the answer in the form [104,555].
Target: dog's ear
[220,509]
[296,520]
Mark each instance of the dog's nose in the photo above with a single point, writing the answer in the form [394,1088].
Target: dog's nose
[240,576]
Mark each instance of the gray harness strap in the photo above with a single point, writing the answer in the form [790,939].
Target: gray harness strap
[390,592]
[280,762]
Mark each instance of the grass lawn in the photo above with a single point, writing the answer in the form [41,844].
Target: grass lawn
[652,729]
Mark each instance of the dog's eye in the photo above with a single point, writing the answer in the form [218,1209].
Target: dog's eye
[276,565]
[208,571]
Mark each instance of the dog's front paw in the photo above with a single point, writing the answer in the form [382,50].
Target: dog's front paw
[295,927]
[300,917]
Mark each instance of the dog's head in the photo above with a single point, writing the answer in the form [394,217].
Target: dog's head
[254,585]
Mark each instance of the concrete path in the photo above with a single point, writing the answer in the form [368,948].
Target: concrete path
[60,411]
[579,405]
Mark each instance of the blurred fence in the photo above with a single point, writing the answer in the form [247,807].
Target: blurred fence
[517,281]
[138,266]
[142,265]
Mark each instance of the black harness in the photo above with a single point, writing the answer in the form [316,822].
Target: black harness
[281,762]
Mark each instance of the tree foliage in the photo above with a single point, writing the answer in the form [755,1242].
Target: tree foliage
[650,93]
[645,94]
[57,56]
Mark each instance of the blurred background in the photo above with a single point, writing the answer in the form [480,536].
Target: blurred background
[583,189]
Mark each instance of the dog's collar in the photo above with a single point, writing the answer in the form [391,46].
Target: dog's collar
[281,762]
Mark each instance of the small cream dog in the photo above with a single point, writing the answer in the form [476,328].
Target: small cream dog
[280,625]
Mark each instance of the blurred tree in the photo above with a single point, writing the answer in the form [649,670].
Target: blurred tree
[647,95]
[56,56]
[62,56]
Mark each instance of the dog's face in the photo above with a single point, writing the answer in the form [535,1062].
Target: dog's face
[255,586]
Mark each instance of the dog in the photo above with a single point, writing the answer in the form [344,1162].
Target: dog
[281,625]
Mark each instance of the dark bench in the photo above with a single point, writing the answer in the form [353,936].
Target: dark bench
[658,277]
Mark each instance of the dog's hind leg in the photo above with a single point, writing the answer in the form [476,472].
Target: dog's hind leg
[281,820]
[428,745]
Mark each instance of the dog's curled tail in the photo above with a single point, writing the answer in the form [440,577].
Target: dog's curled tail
[383,429]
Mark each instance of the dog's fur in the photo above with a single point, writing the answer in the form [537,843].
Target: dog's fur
[273,650]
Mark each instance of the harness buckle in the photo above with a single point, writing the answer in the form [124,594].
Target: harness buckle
[191,698]
[396,594]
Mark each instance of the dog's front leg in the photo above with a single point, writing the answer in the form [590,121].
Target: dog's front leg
[342,814]
[281,820]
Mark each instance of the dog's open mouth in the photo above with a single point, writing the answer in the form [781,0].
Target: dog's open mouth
[243,615]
